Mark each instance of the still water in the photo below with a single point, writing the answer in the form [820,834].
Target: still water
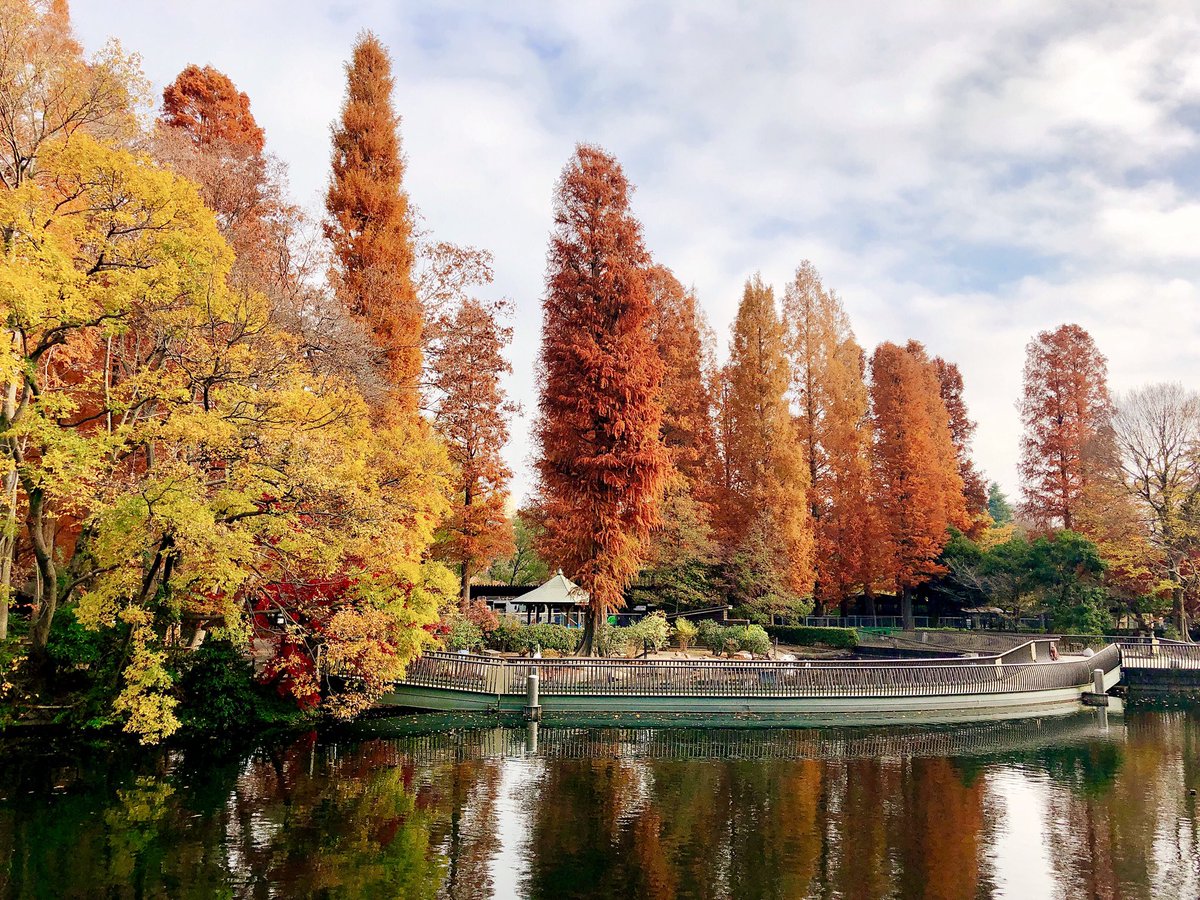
[1054,807]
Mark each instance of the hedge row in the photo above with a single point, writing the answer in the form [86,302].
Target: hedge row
[513,637]
[804,636]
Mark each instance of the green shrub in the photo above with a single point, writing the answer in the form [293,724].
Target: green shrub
[218,693]
[685,632]
[803,636]
[731,638]
[653,630]
[463,635]
[755,639]
[513,637]
[711,636]
[72,646]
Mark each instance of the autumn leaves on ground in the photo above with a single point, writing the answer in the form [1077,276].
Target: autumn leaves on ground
[233,434]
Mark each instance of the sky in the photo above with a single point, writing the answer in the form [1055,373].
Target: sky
[965,174]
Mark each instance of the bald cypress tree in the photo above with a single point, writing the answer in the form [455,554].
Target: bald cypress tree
[601,463]
[919,490]
[764,517]
[370,224]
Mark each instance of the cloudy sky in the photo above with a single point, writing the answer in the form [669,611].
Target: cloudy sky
[965,174]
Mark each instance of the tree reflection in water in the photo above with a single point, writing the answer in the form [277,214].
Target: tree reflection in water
[608,812]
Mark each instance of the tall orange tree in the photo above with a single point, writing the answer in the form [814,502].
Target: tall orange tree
[679,332]
[682,549]
[601,461]
[370,224]
[918,488]
[830,399]
[962,429]
[471,415]
[1066,411]
[209,135]
[847,528]
[764,513]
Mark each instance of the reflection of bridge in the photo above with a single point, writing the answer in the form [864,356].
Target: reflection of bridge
[426,746]
[1017,680]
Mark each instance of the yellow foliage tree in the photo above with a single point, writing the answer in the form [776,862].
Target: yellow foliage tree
[176,458]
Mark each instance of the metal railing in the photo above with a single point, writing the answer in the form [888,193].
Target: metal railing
[896,623]
[768,678]
[1160,655]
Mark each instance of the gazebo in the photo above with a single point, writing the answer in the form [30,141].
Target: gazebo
[559,600]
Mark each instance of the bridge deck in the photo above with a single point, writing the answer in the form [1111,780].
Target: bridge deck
[1006,680]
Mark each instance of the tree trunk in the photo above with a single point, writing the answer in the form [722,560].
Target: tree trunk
[8,539]
[1181,616]
[464,600]
[869,596]
[46,593]
[8,546]
[906,609]
[592,623]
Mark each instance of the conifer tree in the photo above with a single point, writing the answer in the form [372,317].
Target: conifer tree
[1066,411]
[601,463]
[830,399]
[847,529]
[471,416]
[766,498]
[682,549]
[919,491]
[209,135]
[206,105]
[962,429]
[370,224]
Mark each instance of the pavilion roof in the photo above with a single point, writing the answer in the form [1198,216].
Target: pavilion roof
[559,590]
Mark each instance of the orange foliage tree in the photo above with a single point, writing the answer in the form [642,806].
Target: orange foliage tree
[679,331]
[830,398]
[682,549]
[1066,412]
[204,103]
[918,488]
[962,429]
[764,514]
[601,462]
[472,417]
[370,224]
[209,135]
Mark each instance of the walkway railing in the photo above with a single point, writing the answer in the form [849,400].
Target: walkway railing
[768,678]
[1160,655]
[896,623]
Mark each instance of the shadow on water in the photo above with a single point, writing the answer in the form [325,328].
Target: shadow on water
[468,807]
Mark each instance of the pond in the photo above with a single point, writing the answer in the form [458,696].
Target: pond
[1054,807]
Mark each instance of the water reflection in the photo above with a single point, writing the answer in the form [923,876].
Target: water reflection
[1056,807]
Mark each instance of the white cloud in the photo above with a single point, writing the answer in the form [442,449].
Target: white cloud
[965,174]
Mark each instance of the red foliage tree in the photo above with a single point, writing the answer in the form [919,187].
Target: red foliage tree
[678,329]
[206,105]
[1066,412]
[601,463]
[370,224]
[919,491]
[962,429]
[472,417]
